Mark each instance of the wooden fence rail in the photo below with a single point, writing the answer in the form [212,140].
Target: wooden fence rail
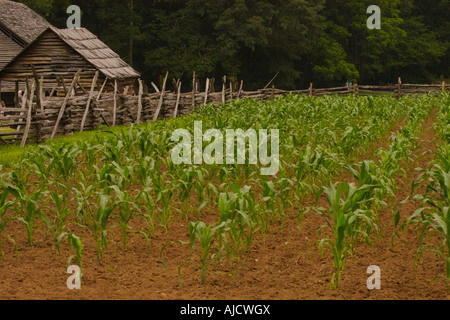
[40,118]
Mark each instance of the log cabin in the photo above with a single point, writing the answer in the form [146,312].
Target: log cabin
[55,55]
[19,26]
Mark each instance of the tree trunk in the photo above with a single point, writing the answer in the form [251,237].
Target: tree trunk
[131,43]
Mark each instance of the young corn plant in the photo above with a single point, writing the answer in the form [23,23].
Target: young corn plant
[368,173]
[350,220]
[164,194]
[77,243]
[284,186]
[238,210]
[146,199]
[434,213]
[200,187]
[60,209]
[127,210]
[97,222]
[5,204]
[62,159]
[28,210]
[84,195]
[185,185]
[74,241]
[206,235]
[145,167]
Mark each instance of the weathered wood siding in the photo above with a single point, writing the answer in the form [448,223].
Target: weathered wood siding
[8,49]
[52,58]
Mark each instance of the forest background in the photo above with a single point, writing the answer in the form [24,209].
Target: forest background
[326,42]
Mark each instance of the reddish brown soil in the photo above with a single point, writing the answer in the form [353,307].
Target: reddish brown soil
[286,266]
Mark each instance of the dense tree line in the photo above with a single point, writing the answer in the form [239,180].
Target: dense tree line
[326,42]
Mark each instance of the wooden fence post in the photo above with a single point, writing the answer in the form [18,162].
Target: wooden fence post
[155,87]
[66,100]
[399,88]
[443,85]
[16,94]
[240,89]
[311,89]
[355,88]
[115,104]
[161,99]
[140,93]
[193,91]
[24,105]
[267,85]
[224,86]
[206,92]
[101,89]
[29,113]
[175,112]
[91,93]
[38,88]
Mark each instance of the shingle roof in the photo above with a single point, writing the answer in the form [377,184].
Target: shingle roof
[96,52]
[21,20]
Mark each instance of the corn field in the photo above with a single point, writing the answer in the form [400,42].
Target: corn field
[344,162]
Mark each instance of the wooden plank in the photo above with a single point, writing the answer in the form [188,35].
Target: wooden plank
[11,133]
[16,95]
[240,89]
[224,85]
[14,110]
[161,99]
[140,93]
[101,89]
[30,106]
[64,84]
[155,87]
[24,103]
[63,107]
[91,93]
[38,88]
[231,90]
[115,104]
[193,91]
[206,92]
[271,81]
[175,112]
[3,141]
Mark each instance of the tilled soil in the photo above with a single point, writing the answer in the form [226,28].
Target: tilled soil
[285,266]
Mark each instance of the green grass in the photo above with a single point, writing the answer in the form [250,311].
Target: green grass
[12,153]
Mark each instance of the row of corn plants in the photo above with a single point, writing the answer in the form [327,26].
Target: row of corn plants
[352,208]
[433,216]
[125,178]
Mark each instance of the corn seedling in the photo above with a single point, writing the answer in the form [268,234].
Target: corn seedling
[350,220]
[434,213]
[77,243]
[4,206]
[206,236]
[127,210]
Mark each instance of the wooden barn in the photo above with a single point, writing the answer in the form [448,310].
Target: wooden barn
[31,48]
[57,54]
[19,26]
